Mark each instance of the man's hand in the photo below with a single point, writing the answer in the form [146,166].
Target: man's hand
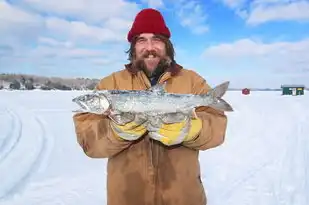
[128,129]
[174,133]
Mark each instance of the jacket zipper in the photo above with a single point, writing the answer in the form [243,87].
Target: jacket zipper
[154,153]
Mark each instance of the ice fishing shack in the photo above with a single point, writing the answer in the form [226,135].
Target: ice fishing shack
[293,89]
[245,91]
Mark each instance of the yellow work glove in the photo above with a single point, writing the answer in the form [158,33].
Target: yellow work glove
[175,133]
[130,131]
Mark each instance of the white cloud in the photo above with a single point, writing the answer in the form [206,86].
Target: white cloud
[37,34]
[81,32]
[17,26]
[54,43]
[250,55]
[90,11]
[262,11]
[96,21]
[65,52]
[280,11]
[154,3]
[10,14]
[192,16]
[257,64]
[53,57]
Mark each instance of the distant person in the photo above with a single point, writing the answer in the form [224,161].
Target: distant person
[152,165]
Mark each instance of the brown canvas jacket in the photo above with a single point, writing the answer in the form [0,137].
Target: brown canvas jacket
[145,172]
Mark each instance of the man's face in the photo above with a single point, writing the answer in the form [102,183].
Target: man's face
[150,49]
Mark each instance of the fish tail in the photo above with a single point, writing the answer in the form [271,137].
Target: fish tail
[222,105]
[217,93]
[219,90]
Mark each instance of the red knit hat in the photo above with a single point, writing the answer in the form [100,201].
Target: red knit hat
[148,21]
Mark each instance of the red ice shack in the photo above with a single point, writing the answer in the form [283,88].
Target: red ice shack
[245,91]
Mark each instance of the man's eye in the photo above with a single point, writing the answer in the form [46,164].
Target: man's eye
[140,40]
[156,39]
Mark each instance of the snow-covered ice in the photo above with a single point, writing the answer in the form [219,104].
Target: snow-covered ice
[264,160]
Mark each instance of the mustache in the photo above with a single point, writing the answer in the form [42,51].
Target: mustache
[150,52]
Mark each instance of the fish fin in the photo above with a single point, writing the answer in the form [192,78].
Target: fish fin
[217,93]
[219,90]
[194,115]
[172,117]
[191,112]
[122,119]
[222,105]
[83,106]
[158,88]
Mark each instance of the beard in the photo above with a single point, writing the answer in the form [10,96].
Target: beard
[163,64]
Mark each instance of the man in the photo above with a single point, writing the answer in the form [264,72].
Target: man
[155,165]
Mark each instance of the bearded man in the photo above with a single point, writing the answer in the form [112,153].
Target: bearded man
[155,165]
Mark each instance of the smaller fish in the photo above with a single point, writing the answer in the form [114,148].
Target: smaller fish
[154,102]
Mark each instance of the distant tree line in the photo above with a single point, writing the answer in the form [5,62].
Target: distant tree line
[27,82]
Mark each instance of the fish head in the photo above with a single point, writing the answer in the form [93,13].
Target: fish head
[92,102]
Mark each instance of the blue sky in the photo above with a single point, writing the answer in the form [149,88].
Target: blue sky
[258,43]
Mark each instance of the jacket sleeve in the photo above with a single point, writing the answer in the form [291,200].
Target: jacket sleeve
[214,122]
[94,133]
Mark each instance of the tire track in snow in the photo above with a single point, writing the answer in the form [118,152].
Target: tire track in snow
[12,137]
[68,194]
[7,120]
[47,145]
[28,154]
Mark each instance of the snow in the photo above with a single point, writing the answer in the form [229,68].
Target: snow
[264,159]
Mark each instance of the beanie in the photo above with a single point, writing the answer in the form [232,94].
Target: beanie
[148,21]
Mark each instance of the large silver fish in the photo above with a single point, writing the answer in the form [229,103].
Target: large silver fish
[154,102]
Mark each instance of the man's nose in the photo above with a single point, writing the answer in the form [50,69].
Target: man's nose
[149,45]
